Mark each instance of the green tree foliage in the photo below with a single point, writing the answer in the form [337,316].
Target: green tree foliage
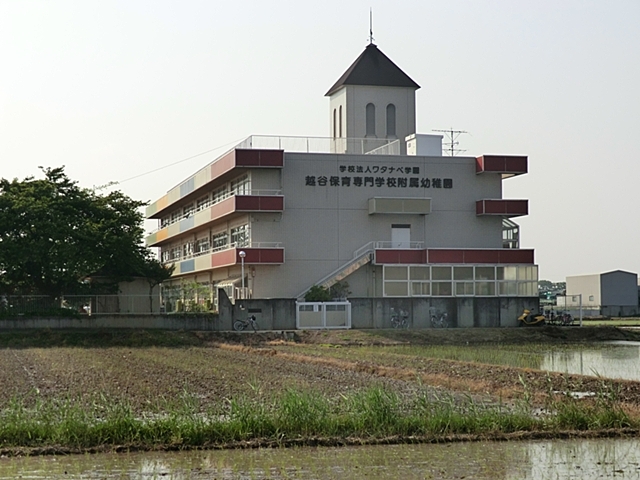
[54,235]
[318,293]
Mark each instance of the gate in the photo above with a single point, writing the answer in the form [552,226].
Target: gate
[323,315]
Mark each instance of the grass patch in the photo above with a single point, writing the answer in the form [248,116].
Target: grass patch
[519,356]
[373,413]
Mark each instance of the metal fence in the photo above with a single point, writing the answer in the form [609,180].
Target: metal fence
[44,305]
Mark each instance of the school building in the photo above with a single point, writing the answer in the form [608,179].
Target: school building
[374,204]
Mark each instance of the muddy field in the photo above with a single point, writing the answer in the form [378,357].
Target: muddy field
[149,368]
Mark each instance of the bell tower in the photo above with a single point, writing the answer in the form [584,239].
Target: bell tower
[372,103]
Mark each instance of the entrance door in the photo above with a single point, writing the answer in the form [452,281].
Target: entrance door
[400,236]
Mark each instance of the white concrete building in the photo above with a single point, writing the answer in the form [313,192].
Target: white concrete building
[374,204]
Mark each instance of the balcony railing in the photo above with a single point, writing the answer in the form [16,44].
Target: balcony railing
[213,201]
[211,250]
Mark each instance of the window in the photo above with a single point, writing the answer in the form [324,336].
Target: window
[340,122]
[240,236]
[485,273]
[420,289]
[464,280]
[442,289]
[241,186]
[219,240]
[202,245]
[395,289]
[591,298]
[485,288]
[335,123]
[391,120]
[175,215]
[395,273]
[371,120]
[419,273]
[202,203]
[187,249]
[165,255]
[441,273]
[174,253]
[164,221]
[188,210]
[219,194]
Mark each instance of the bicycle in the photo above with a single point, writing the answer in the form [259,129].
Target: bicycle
[399,319]
[240,325]
[440,321]
[566,319]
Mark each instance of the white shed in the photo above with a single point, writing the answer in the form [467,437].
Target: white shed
[612,293]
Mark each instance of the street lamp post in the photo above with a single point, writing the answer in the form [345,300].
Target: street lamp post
[242,254]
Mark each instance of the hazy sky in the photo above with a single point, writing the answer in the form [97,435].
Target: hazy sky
[115,89]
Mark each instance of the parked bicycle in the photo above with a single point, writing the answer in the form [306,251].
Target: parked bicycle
[565,319]
[440,320]
[399,319]
[559,318]
[240,325]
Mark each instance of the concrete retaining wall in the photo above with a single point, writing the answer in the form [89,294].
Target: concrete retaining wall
[280,314]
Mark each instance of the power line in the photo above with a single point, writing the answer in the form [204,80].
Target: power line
[110,184]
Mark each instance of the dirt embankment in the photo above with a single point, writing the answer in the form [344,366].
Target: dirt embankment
[434,336]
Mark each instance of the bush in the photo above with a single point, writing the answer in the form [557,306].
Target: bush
[318,293]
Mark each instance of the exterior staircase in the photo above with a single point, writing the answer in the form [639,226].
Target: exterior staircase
[361,257]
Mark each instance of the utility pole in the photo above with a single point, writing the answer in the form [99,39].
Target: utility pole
[452,141]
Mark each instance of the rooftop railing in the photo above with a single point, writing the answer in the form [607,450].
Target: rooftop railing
[357,146]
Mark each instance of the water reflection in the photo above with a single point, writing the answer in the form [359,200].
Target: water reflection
[483,460]
[620,361]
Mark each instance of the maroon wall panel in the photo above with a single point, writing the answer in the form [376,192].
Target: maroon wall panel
[481,256]
[445,256]
[516,164]
[260,255]
[516,256]
[271,255]
[260,203]
[273,203]
[259,158]
[502,207]
[501,164]
[247,202]
[400,256]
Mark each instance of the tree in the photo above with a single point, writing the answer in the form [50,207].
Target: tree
[54,235]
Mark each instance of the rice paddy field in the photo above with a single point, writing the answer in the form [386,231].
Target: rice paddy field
[88,390]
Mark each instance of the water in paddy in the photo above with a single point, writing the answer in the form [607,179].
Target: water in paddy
[574,459]
[616,360]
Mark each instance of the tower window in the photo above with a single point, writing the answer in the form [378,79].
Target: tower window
[391,120]
[335,124]
[371,119]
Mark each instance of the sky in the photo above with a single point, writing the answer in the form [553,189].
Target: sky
[115,90]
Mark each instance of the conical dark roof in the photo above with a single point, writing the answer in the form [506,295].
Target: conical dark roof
[373,67]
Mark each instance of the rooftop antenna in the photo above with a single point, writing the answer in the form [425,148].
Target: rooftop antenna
[371,26]
[452,141]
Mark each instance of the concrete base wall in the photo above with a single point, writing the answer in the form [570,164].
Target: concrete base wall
[162,322]
[280,314]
